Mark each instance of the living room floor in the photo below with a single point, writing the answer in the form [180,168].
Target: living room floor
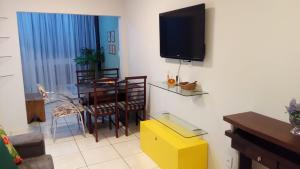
[72,150]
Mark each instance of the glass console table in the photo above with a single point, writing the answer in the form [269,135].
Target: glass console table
[178,125]
[177,89]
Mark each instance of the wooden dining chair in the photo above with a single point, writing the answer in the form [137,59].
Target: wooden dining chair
[105,96]
[135,99]
[109,73]
[84,77]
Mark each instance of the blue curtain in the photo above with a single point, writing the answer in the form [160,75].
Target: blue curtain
[49,43]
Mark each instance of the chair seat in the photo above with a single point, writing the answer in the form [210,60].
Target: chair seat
[132,105]
[105,108]
[67,109]
[80,107]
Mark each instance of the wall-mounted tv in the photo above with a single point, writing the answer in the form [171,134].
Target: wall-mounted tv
[182,33]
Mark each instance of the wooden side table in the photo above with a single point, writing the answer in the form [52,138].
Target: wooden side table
[263,139]
[35,107]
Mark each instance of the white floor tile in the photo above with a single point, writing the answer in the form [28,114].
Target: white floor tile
[62,127]
[140,161]
[114,164]
[101,154]
[29,129]
[73,151]
[63,134]
[133,128]
[63,148]
[122,137]
[78,134]
[128,148]
[70,161]
[90,143]
[137,135]
[49,140]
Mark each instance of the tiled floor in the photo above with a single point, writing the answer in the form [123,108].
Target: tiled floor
[72,150]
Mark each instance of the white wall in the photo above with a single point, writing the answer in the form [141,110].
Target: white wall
[12,102]
[252,63]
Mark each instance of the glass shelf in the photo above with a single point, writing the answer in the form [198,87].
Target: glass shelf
[178,125]
[177,89]
[2,17]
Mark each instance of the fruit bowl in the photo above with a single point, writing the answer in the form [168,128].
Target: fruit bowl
[188,86]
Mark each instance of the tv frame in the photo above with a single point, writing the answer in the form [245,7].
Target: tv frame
[178,11]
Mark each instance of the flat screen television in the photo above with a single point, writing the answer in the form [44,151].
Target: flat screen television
[182,33]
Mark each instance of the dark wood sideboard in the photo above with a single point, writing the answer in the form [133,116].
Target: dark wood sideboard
[263,139]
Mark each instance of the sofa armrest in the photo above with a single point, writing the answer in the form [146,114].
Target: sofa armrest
[29,145]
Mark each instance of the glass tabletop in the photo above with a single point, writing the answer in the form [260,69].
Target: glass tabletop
[182,127]
[177,89]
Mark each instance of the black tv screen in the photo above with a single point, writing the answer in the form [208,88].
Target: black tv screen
[182,33]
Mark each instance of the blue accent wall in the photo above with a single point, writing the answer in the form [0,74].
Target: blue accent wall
[107,24]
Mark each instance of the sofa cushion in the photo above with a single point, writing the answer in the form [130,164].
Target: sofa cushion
[40,162]
[12,151]
[6,161]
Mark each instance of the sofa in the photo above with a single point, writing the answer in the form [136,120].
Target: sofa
[31,148]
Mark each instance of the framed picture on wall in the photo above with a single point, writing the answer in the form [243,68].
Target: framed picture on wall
[113,49]
[109,49]
[108,37]
[112,36]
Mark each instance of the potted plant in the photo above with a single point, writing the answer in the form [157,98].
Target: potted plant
[90,58]
[294,116]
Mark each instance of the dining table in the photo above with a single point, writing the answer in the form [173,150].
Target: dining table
[86,91]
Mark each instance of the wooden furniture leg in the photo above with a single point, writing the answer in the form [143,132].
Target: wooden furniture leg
[89,122]
[126,123]
[96,128]
[244,162]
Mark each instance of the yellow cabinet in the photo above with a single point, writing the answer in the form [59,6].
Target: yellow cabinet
[169,149]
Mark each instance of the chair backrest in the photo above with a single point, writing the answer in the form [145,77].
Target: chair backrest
[109,73]
[135,89]
[84,77]
[105,91]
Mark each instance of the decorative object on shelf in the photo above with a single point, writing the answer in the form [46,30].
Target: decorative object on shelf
[170,81]
[188,85]
[294,116]
[176,89]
